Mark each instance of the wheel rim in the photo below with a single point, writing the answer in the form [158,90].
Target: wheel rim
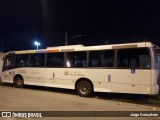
[84,89]
[19,83]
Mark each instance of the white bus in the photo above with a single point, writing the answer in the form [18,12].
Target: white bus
[118,68]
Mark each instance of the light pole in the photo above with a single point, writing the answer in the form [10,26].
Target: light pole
[67,40]
[37,44]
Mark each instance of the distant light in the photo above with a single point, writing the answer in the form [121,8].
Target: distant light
[37,44]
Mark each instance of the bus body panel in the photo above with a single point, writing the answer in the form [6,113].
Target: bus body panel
[104,80]
[122,80]
[51,77]
[7,76]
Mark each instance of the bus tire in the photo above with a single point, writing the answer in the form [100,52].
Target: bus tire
[84,89]
[18,82]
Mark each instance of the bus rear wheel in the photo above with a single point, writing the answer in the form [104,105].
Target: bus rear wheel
[18,82]
[84,89]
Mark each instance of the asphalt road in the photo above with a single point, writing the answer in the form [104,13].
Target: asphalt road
[50,99]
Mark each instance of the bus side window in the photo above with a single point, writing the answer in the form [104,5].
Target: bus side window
[76,59]
[55,59]
[144,61]
[21,60]
[94,58]
[104,58]
[37,60]
[133,58]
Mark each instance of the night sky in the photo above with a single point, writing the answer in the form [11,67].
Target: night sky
[115,21]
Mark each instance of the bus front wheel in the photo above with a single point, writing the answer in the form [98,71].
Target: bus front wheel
[18,82]
[84,89]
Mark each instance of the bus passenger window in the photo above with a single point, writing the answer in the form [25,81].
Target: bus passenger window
[76,59]
[133,58]
[37,60]
[144,61]
[103,58]
[21,60]
[55,59]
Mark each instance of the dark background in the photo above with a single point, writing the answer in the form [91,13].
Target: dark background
[116,21]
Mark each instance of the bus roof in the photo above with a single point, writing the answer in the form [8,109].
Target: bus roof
[84,48]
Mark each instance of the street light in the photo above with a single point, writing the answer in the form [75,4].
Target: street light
[37,44]
[67,40]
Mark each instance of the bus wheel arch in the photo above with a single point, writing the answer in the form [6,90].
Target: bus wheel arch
[18,81]
[84,87]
